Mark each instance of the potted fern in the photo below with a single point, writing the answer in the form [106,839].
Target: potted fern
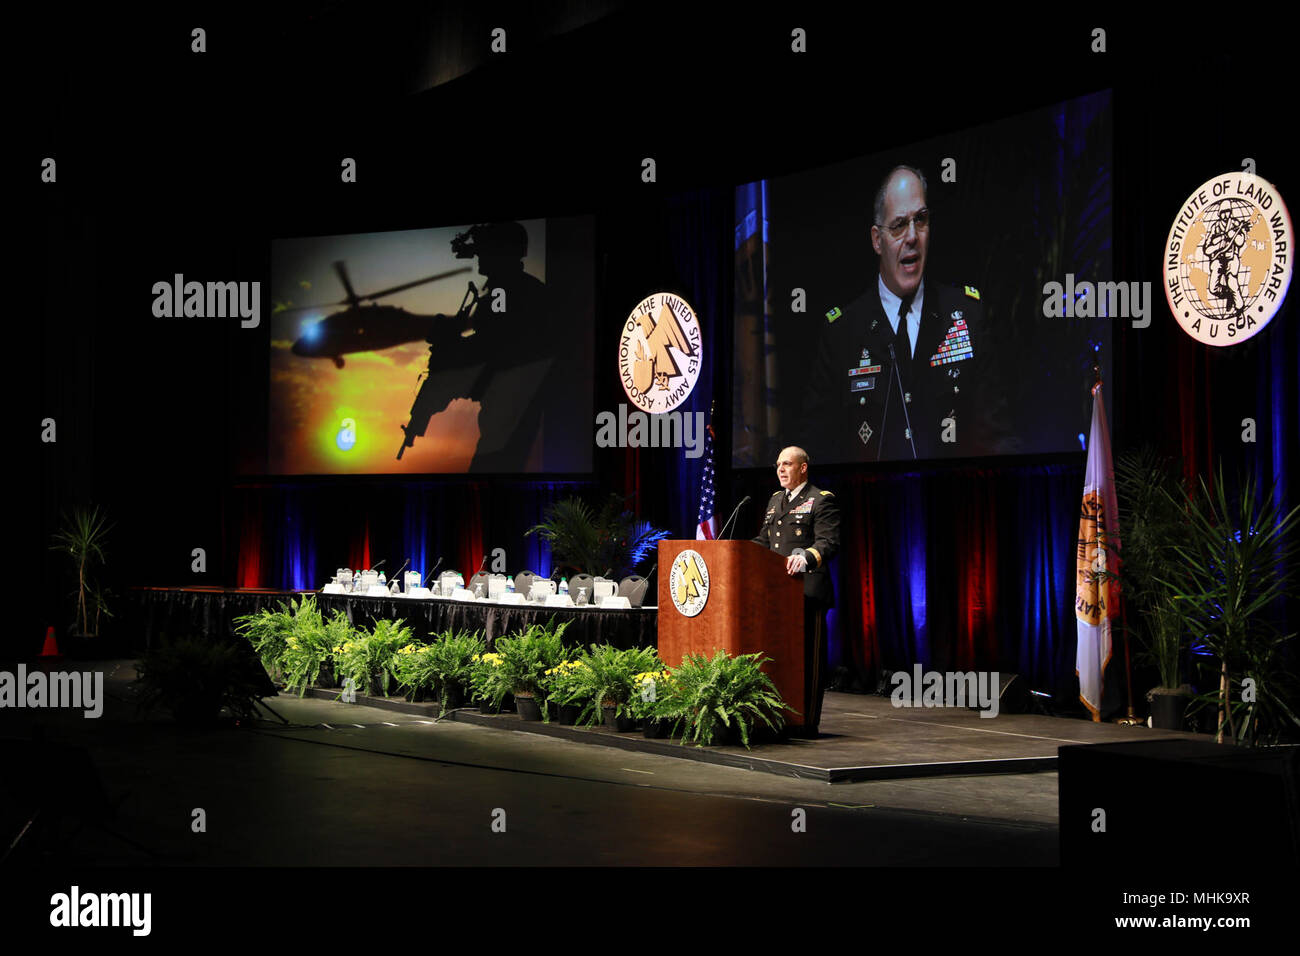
[487,683]
[195,678]
[525,658]
[268,632]
[451,658]
[562,692]
[413,670]
[367,659]
[335,633]
[605,682]
[709,699]
[309,644]
[646,688]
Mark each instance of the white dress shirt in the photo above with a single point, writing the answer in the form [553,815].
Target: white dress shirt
[891,302]
[791,495]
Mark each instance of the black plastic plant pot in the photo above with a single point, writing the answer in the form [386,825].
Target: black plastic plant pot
[455,696]
[1167,711]
[528,708]
[621,724]
[656,728]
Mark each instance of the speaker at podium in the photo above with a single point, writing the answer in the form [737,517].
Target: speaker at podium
[737,596]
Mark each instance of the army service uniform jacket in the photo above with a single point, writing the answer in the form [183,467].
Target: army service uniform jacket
[857,410]
[812,522]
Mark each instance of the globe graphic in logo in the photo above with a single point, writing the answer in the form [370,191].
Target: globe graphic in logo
[1227,262]
[1228,253]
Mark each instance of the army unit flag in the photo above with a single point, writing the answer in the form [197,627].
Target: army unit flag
[1096,599]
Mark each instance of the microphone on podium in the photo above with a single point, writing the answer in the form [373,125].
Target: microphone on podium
[743,502]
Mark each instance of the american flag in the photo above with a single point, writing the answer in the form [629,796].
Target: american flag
[708,525]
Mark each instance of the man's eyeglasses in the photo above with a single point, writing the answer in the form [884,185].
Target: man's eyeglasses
[898,228]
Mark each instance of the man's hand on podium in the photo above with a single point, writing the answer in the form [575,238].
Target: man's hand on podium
[796,563]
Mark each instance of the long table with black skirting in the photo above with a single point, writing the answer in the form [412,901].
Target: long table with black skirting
[156,613]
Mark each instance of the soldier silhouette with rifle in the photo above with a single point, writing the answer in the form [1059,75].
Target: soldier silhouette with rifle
[498,350]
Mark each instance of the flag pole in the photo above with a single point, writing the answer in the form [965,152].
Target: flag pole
[1130,719]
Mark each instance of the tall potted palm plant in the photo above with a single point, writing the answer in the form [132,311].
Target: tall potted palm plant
[1238,566]
[82,538]
[591,540]
[1152,514]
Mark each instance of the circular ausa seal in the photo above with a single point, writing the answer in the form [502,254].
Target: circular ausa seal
[1227,261]
[688,583]
[660,353]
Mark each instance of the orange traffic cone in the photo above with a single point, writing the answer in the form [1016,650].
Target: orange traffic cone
[51,648]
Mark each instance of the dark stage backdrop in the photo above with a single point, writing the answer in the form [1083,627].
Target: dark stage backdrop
[956,565]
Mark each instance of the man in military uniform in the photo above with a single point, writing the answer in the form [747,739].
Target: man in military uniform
[903,370]
[802,523]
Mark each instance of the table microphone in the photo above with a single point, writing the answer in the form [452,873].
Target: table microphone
[645,585]
[743,502]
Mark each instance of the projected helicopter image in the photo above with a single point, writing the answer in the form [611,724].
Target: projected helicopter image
[447,374]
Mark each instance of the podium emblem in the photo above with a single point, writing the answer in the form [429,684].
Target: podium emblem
[688,583]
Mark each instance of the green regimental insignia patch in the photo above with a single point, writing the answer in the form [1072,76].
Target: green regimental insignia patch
[973,292]
[833,314]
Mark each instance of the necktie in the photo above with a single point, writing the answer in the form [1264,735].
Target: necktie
[902,343]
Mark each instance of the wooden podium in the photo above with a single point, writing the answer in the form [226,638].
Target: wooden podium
[752,605]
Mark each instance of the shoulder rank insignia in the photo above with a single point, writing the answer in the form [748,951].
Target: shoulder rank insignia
[833,314]
[826,492]
[973,292]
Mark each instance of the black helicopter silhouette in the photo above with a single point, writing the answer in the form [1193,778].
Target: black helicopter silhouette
[363,327]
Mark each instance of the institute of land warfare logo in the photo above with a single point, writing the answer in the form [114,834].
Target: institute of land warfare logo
[688,582]
[660,353]
[1227,261]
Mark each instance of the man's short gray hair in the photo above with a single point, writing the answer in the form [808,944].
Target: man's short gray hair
[878,211]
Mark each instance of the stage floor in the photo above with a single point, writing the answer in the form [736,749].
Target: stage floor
[863,737]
